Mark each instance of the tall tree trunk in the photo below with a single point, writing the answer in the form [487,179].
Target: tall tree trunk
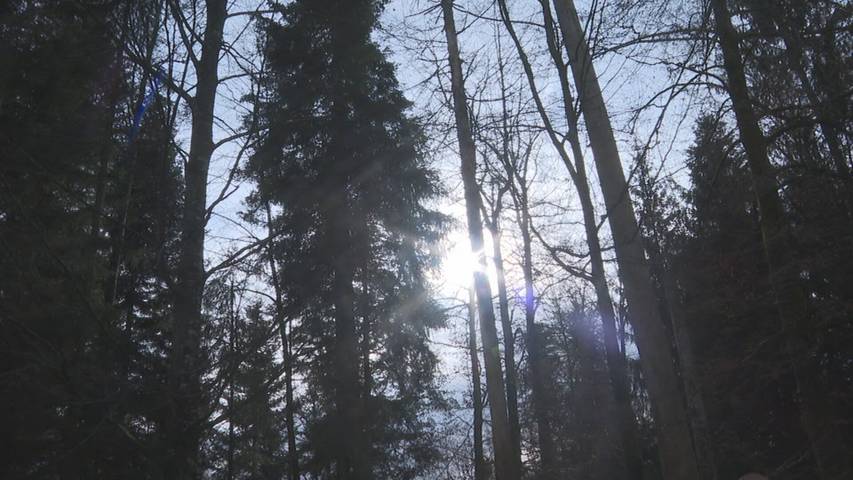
[476,394]
[616,366]
[673,309]
[678,459]
[182,433]
[286,356]
[350,458]
[831,456]
[105,157]
[506,465]
[351,451]
[366,371]
[290,410]
[232,351]
[535,351]
[508,340]
[689,375]
[500,274]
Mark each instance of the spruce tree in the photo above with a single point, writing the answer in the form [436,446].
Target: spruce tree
[729,312]
[341,161]
[86,235]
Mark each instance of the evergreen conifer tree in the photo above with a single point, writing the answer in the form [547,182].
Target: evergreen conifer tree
[342,161]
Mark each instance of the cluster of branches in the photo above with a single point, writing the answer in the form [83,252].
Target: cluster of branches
[667,417]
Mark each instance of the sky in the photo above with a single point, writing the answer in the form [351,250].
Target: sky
[411,34]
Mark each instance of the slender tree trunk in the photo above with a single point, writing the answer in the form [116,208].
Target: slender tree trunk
[349,416]
[98,212]
[289,411]
[366,372]
[668,293]
[350,458]
[183,436]
[676,450]
[509,343]
[477,394]
[105,156]
[535,351]
[108,151]
[830,453]
[365,338]
[500,274]
[286,356]
[617,369]
[506,465]
[690,377]
[616,365]
[601,460]
[232,350]
[229,472]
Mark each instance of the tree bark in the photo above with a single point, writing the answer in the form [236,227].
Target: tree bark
[183,435]
[678,459]
[350,458]
[592,401]
[289,411]
[366,370]
[508,340]
[506,466]
[476,394]
[351,448]
[828,449]
[232,351]
[690,377]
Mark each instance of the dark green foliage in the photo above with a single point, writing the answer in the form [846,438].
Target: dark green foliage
[50,139]
[248,443]
[794,54]
[584,418]
[714,249]
[342,161]
[715,256]
[86,231]
[730,314]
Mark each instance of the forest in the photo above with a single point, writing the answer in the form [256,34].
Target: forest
[426,239]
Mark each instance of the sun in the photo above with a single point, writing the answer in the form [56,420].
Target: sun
[459,263]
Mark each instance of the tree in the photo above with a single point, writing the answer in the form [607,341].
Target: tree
[184,360]
[730,335]
[339,157]
[577,173]
[791,299]
[285,329]
[251,446]
[480,471]
[493,209]
[506,465]
[512,152]
[662,223]
[87,231]
[152,329]
[678,457]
